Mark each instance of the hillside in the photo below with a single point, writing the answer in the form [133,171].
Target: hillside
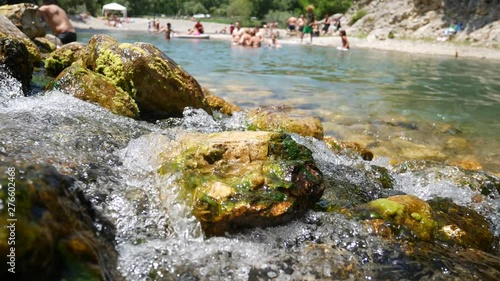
[427,19]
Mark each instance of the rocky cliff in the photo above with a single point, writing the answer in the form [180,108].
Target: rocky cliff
[426,19]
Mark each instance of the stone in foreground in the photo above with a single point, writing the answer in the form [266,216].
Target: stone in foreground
[242,179]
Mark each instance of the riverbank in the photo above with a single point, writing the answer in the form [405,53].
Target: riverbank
[409,46]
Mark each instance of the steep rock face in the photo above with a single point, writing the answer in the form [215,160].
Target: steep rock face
[427,19]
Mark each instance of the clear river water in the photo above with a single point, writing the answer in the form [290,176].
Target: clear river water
[395,103]
[443,108]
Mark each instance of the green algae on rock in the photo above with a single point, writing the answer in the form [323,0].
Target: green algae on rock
[63,57]
[159,86]
[285,119]
[55,236]
[243,179]
[15,58]
[219,104]
[435,220]
[93,87]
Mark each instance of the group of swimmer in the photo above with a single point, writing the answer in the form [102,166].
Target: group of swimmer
[251,37]
[255,37]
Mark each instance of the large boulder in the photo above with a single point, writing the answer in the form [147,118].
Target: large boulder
[8,29]
[285,119]
[242,179]
[160,87]
[26,17]
[96,88]
[15,59]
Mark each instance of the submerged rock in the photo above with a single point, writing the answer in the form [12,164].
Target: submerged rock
[159,86]
[285,119]
[435,220]
[93,87]
[343,146]
[243,179]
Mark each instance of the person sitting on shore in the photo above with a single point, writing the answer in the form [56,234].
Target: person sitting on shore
[58,21]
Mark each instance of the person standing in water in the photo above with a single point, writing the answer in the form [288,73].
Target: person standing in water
[309,22]
[345,42]
[58,21]
[168,31]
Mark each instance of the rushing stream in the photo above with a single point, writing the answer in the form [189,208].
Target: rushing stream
[114,161]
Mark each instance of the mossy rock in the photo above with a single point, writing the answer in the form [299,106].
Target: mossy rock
[219,104]
[284,119]
[26,17]
[458,225]
[405,211]
[16,60]
[348,147]
[45,45]
[243,179]
[159,86]
[435,220]
[63,57]
[54,236]
[93,87]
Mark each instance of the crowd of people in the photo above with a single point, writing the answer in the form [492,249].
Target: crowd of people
[255,37]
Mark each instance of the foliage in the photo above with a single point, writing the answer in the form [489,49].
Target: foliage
[234,9]
[278,16]
[359,14]
[240,9]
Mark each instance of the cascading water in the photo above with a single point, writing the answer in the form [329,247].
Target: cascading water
[114,161]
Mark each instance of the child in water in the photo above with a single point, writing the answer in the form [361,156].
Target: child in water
[273,43]
[345,42]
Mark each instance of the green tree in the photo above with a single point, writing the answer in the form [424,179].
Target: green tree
[241,9]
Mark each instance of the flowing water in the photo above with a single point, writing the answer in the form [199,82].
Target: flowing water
[114,160]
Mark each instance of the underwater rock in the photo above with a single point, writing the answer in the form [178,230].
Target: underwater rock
[284,119]
[16,60]
[434,220]
[55,237]
[63,57]
[159,86]
[219,104]
[341,146]
[96,88]
[458,225]
[243,179]
[26,17]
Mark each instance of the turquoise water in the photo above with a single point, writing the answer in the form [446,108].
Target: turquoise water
[369,96]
